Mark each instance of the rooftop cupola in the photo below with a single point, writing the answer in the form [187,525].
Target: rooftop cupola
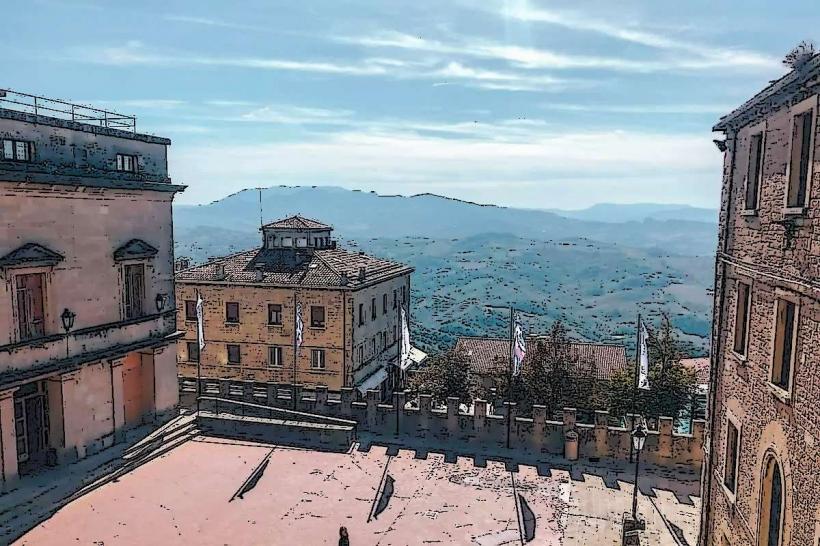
[297,232]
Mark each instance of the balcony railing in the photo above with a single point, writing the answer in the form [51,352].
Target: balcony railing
[44,106]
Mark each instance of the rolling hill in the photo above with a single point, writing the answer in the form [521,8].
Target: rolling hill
[593,275]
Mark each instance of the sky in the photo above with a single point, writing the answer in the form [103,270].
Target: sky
[522,103]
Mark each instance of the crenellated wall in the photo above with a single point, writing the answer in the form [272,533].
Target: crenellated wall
[535,434]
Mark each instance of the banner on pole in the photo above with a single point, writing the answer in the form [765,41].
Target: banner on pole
[643,356]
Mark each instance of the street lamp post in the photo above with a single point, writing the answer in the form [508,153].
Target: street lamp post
[638,442]
[67,318]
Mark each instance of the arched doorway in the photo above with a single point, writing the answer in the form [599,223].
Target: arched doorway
[771,504]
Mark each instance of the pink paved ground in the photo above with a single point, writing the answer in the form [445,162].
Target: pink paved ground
[304,496]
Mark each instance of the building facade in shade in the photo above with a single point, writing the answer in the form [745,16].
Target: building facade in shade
[761,481]
[350,306]
[87,321]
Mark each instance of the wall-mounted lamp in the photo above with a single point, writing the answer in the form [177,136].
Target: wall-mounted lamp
[161,300]
[68,319]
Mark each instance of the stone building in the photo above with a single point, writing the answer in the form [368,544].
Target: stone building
[87,321]
[350,307]
[762,472]
[489,357]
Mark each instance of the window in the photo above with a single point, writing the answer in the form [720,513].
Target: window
[127,163]
[360,350]
[274,313]
[732,453]
[403,295]
[193,351]
[190,310]
[799,165]
[287,241]
[301,242]
[232,312]
[755,171]
[317,359]
[372,308]
[784,340]
[395,299]
[742,314]
[317,316]
[361,314]
[134,287]
[384,304]
[771,504]
[275,356]
[17,150]
[373,345]
[30,305]
[233,354]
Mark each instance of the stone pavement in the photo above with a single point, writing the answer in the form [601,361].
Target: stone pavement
[189,495]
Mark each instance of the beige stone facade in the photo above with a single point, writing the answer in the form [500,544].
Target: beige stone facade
[249,311]
[79,237]
[762,470]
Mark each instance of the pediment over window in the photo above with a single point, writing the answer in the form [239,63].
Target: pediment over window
[135,249]
[30,255]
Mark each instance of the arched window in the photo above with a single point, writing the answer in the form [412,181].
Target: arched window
[771,505]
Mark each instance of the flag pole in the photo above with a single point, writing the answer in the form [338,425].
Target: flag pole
[295,350]
[199,357]
[510,378]
[637,375]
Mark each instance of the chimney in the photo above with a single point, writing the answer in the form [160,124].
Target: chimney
[361,273]
[182,263]
[220,271]
[344,280]
[259,274]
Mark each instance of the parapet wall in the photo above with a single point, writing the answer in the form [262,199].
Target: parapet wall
[534,434]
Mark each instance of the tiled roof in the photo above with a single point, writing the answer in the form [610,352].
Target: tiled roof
[297,222]
[701,366]
[488,354]
[331,267]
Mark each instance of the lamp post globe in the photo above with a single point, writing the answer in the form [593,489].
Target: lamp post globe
[639,437]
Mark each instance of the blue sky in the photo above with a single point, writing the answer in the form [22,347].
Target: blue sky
[524,103]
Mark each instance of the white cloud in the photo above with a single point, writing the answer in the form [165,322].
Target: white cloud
[710,56]
[135,53]
[640,109]
[698,58]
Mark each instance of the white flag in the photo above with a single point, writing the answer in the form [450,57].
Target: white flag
[200,328]
[519,348]
[405,341]
[299,325]
[643,356]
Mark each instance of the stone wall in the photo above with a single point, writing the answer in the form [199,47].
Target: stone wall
[535,434]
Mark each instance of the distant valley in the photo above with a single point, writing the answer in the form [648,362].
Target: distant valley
[593,274]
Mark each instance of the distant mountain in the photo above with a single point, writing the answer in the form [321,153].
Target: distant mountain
[595,276]
[357,214]
[639,212]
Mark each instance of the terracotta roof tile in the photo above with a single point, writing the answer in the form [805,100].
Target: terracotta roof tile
[296,267]
[701,365]
[488,354]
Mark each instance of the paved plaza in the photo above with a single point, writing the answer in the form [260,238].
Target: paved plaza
[189,496]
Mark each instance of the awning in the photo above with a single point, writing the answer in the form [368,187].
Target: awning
[372,381]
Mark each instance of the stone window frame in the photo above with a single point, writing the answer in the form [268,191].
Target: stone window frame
[780,294]
[278,349]
[801,107]
[228,319]
[762,509]
[753,130]
[238,361]
[748,281]
[735,421]
[318,325]
[188,345]
[121,163]
[189,318]
[318,363]
[281,315]
[11,273]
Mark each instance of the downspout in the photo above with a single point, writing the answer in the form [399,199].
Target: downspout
[717,328]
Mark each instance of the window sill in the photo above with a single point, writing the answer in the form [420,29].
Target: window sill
[311,327]
[779,393]
[274,325]
[229,323]
[749,212]
[740,358]
[192,320]
[794,211]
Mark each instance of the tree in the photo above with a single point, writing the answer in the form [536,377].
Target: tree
[672,386]
[444,375]
[553,375]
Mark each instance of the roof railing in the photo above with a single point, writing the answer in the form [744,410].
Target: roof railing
[44,106]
